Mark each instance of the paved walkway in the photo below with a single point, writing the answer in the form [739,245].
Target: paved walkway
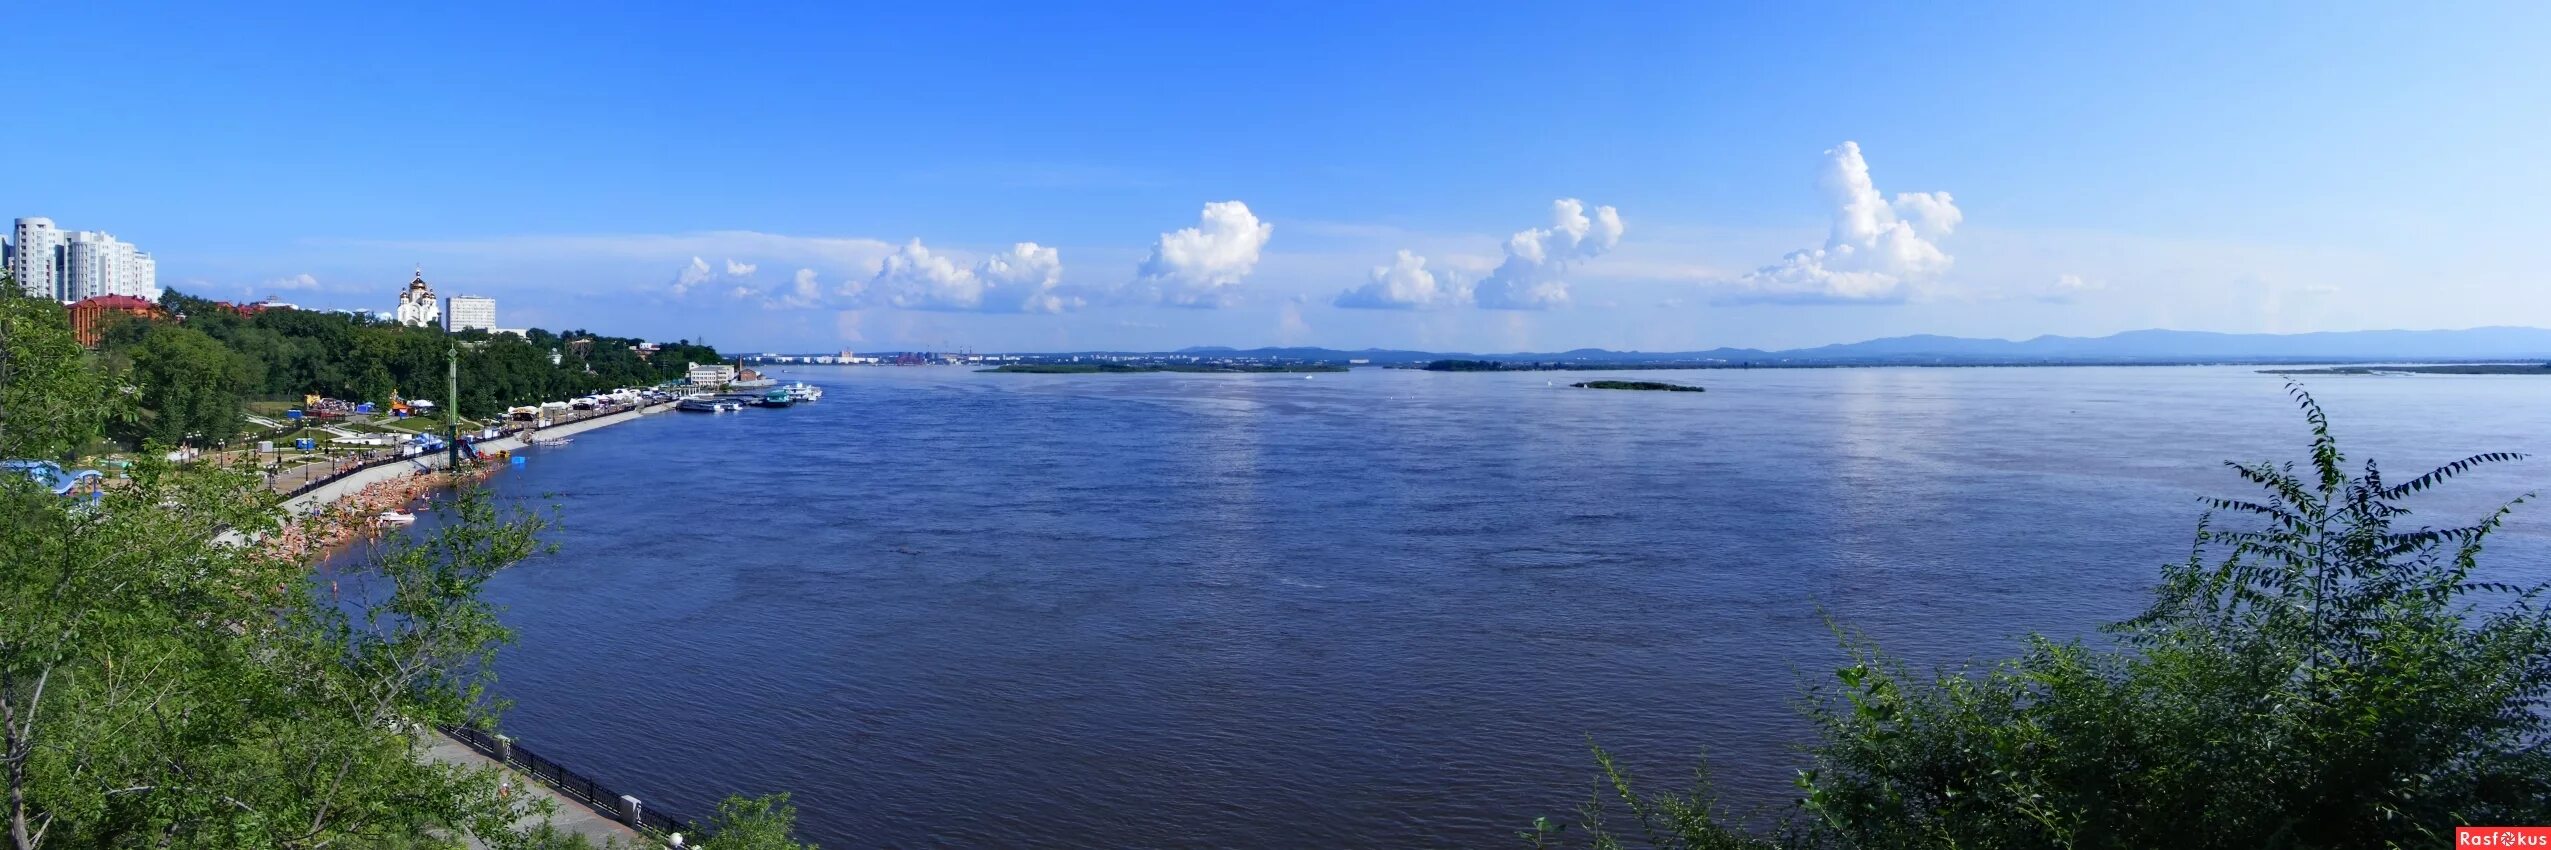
[572,817]
[335,490]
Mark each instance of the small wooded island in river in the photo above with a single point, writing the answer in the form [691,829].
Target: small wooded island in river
[1652,386]
[2441,369]
[1129,368]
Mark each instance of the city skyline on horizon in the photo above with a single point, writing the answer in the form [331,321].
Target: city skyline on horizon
[1657,178]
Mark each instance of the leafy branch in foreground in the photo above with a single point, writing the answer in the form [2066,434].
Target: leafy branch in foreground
[160,686]
[2320,673]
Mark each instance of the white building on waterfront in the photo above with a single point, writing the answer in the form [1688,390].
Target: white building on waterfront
[417,307]
[711,374]
[72,265]
[471,311]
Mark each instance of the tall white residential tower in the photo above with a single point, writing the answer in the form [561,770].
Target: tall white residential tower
[70,265]
[35,257]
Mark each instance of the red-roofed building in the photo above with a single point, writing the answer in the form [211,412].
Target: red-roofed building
[89,316]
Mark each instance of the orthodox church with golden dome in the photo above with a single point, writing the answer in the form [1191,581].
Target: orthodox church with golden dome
[418,306]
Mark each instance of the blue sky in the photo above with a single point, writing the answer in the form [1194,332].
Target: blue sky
[1986,171]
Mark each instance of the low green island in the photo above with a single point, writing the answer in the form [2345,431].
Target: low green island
[2439,369]
[1651,386]
[1565,366]
[1132,368]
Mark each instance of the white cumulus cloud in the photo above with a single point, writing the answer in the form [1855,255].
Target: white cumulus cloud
[299,281]
[1406,284]
[1879,250]
[1202,266]
[1026,278]
[1022,279]
[913,278]
[1531,277]
[698,271]
[803,291]
[2068,288]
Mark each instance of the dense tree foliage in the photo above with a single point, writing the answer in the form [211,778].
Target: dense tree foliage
[2323,674]
[50,402]
[190,387]
[755,823]
[162,689]
[184,368]
[1466,366]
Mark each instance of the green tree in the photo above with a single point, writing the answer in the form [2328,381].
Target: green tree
[2321,673]
[190,387]
[160,686]
[50,401]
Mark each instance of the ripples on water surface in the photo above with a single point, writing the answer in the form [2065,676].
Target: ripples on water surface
[1382,608]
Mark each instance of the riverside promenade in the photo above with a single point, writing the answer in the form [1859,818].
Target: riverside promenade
[353,482]
[574,816]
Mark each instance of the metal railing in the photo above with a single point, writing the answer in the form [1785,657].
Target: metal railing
[567,781]
[340,473]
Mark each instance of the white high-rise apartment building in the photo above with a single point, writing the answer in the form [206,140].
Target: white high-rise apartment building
[141,277]
[35,257]
[96,263]
[70,265]
[470,311]
[88,263]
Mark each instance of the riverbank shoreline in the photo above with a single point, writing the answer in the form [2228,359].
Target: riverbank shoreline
[352,505]
[352,483]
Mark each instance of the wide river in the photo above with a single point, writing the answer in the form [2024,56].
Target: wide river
[1382,608]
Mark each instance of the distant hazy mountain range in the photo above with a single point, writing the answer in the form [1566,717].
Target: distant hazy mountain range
[2152,346]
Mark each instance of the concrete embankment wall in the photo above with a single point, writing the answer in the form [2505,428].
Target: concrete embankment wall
[343,487]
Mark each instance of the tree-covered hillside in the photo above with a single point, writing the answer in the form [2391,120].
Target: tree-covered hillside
[189,372]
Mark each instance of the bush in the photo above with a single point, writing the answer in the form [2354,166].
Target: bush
[755,823]
[2322,675]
